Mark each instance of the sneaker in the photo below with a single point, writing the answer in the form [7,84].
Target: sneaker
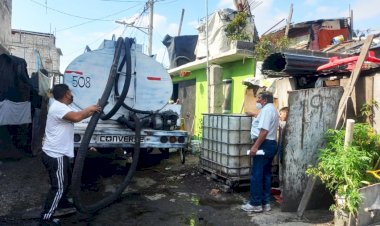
[249,208]
[267,207]
[53,221]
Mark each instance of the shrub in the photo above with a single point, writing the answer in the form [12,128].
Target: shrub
[343,169]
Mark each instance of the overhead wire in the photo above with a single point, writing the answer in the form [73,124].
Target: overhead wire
[90,20]
[100,37]
[166,2]
[97,39]
[121,1]
[67,14]
[137,21]
[94,20]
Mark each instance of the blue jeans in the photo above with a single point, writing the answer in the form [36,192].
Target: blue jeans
[261,174]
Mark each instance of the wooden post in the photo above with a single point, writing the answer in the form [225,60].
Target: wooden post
[289,20]
[349,132]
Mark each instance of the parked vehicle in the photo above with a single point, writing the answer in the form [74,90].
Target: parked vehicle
[134,92]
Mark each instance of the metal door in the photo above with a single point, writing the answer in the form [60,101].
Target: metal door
[186,95]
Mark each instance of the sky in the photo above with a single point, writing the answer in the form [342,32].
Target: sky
[80,23]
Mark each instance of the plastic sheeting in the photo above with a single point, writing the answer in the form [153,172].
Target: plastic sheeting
[14,85]
[180,49]
[217,39]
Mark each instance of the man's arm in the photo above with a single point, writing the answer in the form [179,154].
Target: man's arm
[250,113]
[73,116]
[260,139]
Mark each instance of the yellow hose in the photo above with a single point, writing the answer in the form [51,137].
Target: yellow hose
[374,173]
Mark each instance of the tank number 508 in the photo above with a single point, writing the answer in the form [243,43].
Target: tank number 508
[81,81]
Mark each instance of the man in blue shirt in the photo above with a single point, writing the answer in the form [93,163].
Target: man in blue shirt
[263,134]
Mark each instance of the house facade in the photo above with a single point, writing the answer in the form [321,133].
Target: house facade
[38,49]
[213,82]
[227,92]
[5,24]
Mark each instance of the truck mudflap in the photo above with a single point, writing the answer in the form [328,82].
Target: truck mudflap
[111,138]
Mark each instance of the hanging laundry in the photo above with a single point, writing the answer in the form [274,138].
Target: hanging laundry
[15,113]
[44,84]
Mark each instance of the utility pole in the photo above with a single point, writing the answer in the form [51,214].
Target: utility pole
[180,23]
[150,28]
[208,65]
[149,5]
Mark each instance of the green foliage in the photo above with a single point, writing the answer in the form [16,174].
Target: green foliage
[343,170]
[235,30]
[198,136]
[367,110]
[268,45]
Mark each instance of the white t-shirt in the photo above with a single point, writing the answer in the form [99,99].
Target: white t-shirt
[267,119]
[59,133]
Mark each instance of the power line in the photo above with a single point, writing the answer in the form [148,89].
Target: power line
[86,18]
[67,14]
[92,42]
[166,1]
[98,19]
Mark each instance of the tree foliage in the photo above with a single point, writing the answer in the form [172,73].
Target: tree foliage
[268,45]
[235,30]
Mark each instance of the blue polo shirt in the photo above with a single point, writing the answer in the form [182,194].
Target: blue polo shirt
[267,119]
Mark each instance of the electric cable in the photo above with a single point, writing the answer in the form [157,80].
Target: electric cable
[91,21]
[68,14]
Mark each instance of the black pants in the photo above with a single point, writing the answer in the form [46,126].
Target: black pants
[59,170]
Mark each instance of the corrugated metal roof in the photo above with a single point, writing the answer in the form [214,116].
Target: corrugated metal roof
[295,62]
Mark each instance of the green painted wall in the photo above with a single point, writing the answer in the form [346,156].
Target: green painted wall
[237,71]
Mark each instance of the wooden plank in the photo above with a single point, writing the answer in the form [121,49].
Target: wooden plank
[306,197]
[354,77]
[311,113]
[342,107]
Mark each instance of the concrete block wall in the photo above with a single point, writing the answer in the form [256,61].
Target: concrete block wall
[29,45]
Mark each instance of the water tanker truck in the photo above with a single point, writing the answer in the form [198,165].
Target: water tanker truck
[134,92]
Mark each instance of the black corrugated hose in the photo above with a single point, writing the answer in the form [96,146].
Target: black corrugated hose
[82,152]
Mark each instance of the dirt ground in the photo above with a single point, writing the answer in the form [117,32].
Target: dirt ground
[169,193]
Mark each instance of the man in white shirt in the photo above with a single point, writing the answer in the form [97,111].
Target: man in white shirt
[263,134]
[58,148]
